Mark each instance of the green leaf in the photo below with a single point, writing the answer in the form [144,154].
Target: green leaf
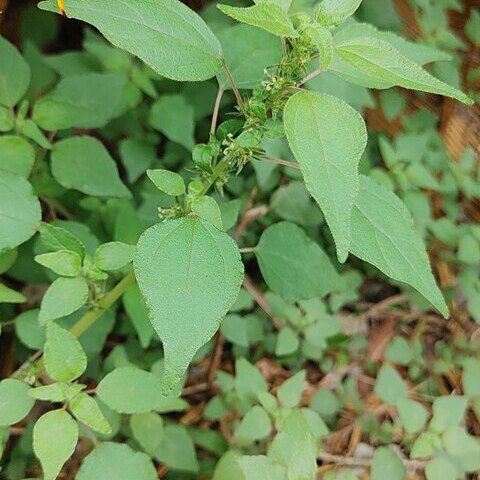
[116,461]
[80,101]
[176,449]
[380,62]
[383,235]
[17,155]
[387,464]
[8,295]
[419,53]
[7,119]
[464,447]
[86,410]
[63,262]
[390,386]
[265,15]
[235,329]
[448,411]
[228,467]
[287,342]
[188,52]
[207,208]
[255,425]
[328,138]
[137,156]
[64,357]
[113,255]
[63,297]
[175,118]
[55,392]
[20,212]
[244,59]
[412,415]
[15,403]
[440,469]
[293,265]
[29,331]
[138,314]
[179,265]
[168,182]
[148,431]
[290,392]
[55,437]
[332,13]
[56,238]
[84,164]
[249,381]
[142,395]
[14,75]
[322,39]
[471,370]
[259,467]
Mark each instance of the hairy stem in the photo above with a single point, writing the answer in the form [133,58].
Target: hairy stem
[218,101]
[279,161]
[89,318]
[311,75]
[105,303]
[234,86]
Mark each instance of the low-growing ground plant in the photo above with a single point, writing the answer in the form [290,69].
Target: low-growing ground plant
[191,214]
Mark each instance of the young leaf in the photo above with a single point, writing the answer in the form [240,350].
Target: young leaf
[55,392]
[255,425]
[390,386]
[383,235]
[15,403]
[290,392]
[63,297]
[332,13]
[8,295]
[207,208]
[412,415]
[81,101]
[84,164]
[14,75]
[328,138]
[57,238]
[387,464]
[179,265]
[63,262]
[188,52]
[287,342]
[7,119]
[244,59]
[168,182]
[64,357]
[441,469]
[293,265]
[17,155]
[20,212]
[175,118]
[142,395]
[265,15]
[55,436]
[113,255]
[86,410]
[380,62]
[448,411]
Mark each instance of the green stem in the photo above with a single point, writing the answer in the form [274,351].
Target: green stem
[104,304]
[234,86]
[87,320]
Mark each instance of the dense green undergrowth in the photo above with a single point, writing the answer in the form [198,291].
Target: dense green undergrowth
[211,270]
